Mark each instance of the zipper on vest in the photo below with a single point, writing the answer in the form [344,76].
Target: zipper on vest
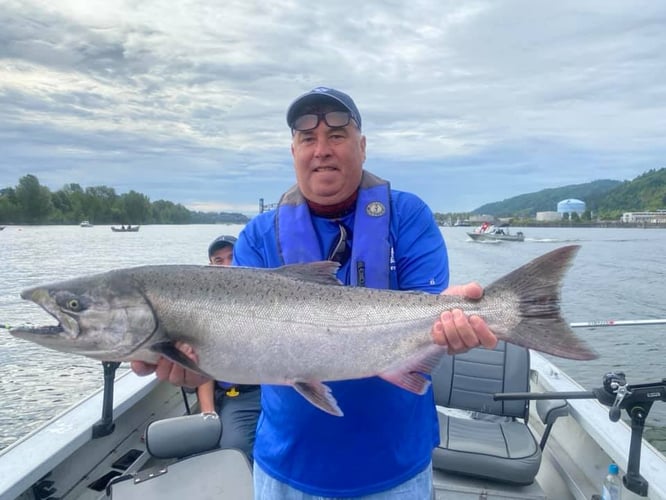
[360,273]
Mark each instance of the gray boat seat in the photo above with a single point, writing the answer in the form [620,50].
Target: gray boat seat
[201,470]
[494,441]
[179,437]
[222,474]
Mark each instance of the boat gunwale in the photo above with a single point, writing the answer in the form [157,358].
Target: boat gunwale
[613,438]
[65,433]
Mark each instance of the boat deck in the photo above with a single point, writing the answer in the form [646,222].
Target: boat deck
[60,460]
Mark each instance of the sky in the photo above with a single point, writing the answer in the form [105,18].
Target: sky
[463,103]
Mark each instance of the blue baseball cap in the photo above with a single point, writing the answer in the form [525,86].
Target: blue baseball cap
[320,94]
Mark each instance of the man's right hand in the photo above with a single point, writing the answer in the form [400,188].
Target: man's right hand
[458,332]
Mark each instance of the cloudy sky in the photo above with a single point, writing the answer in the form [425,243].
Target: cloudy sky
[463,103]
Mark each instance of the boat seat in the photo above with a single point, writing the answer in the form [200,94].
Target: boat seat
[179,437]
[493,442]
[201,470]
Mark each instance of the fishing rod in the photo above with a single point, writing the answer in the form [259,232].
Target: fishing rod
[612,322]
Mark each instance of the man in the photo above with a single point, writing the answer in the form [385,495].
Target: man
[237,405]
[221,250]
[382,238]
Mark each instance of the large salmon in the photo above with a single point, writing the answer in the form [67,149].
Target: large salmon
[291,325]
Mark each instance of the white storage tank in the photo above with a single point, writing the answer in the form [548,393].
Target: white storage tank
[570,206]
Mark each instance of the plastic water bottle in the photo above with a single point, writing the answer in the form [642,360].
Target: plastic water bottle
[612,488]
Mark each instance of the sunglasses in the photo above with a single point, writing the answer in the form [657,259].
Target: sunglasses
[341,249]
[310,121]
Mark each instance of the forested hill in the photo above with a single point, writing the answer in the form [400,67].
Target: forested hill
[609,198]
[527,205]
[645,192]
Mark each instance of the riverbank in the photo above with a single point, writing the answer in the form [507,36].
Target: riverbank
[574,225]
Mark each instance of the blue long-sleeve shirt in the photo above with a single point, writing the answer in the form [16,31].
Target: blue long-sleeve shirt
[387,434]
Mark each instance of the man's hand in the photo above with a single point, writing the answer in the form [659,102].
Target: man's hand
[458,332]
[170,371]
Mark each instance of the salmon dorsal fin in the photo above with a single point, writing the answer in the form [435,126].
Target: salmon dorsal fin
[321,272]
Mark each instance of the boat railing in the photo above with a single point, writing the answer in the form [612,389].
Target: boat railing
[18,468]
[617,395]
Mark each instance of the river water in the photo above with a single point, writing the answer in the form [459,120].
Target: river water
[618,274]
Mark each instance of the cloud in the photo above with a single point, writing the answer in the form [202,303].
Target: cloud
[462,104]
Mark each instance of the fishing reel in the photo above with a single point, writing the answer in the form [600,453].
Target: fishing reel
[635,399]
[612,393]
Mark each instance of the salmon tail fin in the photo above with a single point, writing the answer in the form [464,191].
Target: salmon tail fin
[537,286]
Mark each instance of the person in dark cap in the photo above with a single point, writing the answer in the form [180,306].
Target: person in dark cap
[221,250]
[382,238]
[237,405]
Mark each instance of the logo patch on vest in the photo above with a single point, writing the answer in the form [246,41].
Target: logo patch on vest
[375,209]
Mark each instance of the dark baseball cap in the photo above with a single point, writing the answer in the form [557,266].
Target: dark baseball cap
[322,94]
[221,242]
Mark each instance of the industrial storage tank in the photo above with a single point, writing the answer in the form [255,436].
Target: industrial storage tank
[570,206]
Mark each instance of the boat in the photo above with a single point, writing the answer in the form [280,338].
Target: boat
[2,227]
[125,229]
[78,455]
[86,223]
[490,232]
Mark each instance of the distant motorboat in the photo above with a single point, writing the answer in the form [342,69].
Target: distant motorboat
[2,227]
[86,223]
[462,223]
[489,232]
[125,229]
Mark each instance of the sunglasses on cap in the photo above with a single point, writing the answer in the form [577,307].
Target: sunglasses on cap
[310,121]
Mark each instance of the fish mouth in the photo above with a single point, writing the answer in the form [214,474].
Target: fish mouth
[43,299]
[37,330]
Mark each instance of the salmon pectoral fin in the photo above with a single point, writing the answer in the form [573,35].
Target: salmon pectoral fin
[410,374]
[320,395]
[172,353]
[411,381]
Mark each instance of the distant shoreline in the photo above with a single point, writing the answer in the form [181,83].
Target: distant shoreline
[603,224]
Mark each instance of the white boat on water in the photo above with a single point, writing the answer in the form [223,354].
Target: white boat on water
[63,460]
[86,223]
[489,232]
[125,229]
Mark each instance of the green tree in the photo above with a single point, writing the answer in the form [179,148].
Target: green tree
[102,201]
[75,202]
[33,199]
[167,212]
[9,211]
[136,207]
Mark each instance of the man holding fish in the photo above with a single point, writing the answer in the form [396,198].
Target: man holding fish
[347,409]
[381,238]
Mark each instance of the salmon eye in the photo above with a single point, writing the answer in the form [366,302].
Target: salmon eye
[73,304]
[68,301]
